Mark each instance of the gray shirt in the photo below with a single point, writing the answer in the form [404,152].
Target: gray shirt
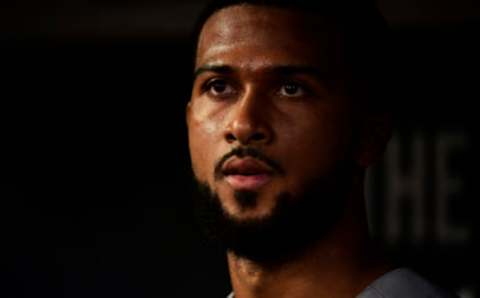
[400,283]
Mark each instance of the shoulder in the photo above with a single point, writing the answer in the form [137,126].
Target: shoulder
[402,283]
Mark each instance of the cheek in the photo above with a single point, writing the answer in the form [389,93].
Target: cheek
[198,152]
[201,137]
[315,142]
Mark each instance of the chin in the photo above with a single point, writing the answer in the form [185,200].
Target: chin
[250,214]
[248,205]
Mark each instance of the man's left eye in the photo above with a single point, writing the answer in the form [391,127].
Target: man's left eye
[292,90]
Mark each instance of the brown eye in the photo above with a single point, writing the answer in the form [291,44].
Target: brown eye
[219,88]
[292,89]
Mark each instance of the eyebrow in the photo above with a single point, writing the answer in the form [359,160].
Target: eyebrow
[283,70]
[222,69]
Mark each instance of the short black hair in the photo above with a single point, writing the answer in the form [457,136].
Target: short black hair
[366,35]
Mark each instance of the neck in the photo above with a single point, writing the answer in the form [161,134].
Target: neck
[340,265]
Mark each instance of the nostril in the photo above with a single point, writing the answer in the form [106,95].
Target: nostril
[230,137]
[246,137]
[258,136]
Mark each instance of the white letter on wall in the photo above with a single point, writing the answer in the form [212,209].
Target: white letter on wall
[447,185]
[405,187]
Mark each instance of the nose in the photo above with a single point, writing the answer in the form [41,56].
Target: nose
[249,123]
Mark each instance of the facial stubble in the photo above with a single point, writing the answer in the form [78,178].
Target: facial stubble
[294,224]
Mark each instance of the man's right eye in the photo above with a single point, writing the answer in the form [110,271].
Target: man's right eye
[219,88]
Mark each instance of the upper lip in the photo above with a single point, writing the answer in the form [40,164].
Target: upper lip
[245,166]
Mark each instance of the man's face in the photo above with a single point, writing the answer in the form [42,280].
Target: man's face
[267,80]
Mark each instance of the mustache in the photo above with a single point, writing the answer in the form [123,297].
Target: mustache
[244,152]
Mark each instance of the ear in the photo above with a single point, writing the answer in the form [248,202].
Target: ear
[375,132]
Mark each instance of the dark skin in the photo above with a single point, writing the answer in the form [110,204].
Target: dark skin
[263,80]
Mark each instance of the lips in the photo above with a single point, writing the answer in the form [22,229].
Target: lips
[246,174]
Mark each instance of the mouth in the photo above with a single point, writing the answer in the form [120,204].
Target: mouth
[247,174]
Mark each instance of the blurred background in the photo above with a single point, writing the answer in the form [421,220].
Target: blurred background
[95,196]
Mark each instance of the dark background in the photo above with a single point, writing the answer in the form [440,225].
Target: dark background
[95,196]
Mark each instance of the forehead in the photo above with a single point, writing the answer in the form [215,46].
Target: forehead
[254,35]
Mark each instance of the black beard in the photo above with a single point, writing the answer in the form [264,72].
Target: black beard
[295,223]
